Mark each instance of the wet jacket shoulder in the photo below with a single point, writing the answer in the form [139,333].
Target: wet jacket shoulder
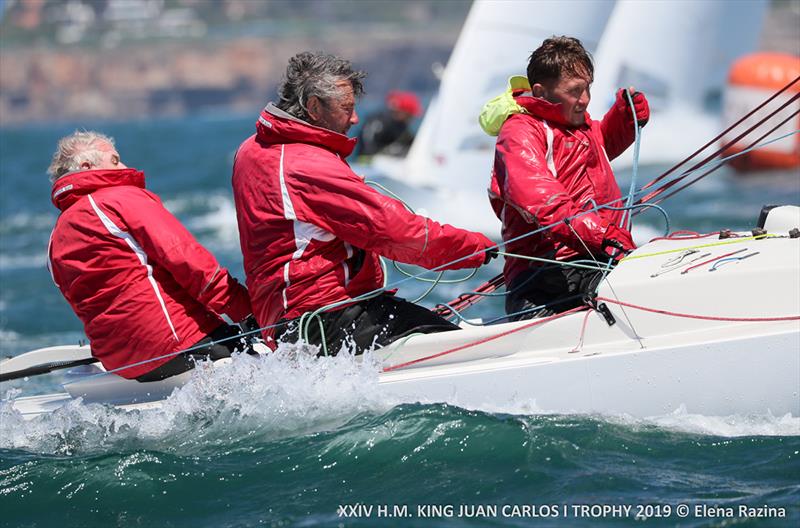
[139,281]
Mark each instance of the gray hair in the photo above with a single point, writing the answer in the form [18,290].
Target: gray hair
[315,74]
[75,149]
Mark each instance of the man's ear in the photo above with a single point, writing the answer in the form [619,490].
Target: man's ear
[537,90]
[314,108]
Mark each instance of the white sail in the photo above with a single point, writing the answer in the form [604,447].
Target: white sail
[495,43]
[678,54]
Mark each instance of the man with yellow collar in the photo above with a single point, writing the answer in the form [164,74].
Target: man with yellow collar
[551,166]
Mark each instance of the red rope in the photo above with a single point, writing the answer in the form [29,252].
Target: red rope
[720,136]
[712,260]
[465,300]
[485,339]
[692,182]
[580,308]
[685,235]
[703,317]
[579,346]
[722,149]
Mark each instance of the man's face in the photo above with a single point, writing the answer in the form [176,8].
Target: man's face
[335,113]
[572,92]
[109,158]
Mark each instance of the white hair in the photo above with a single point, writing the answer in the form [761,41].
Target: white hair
[76,149]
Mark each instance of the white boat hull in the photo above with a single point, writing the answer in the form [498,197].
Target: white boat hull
[715,379]
[721,339]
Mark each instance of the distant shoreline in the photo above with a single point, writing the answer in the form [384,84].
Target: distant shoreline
[137,79]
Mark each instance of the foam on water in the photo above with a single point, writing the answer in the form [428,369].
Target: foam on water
[14,223]
[679,420]
[210,214]
[285,394]
[288,394]
[21,261]
[728,426]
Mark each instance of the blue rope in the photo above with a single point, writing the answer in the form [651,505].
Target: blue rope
[635,169]
[715,164]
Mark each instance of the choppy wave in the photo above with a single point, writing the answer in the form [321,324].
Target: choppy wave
[23,261]
[26,221]
[286,394]
[211,216]
[254,398]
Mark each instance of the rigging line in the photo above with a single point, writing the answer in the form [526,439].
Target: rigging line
[717,264]
[177,352]
[713,244]
[718,152]
[637,139]
[484,340]
[717,164]
[640,207]
[724,160]
[433,285]
[563,263]
[438,279]
[678,259]
[457,314]
[578,347]
[690,268]
[704,317]
[467,299]
[679,266]
[721,135]
[604,277]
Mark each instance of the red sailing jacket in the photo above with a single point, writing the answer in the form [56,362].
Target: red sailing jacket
[311,230]
[138,280]
[546,170]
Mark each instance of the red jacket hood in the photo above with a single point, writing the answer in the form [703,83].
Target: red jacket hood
[275,126]
[68,189]
[546,110]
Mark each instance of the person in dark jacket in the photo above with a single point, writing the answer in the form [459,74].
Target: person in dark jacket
[143,287]
[389,132]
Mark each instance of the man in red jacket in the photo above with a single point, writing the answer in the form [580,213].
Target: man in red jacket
[312,231]
[143,287]
[552,166]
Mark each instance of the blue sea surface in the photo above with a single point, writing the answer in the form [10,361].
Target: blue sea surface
[266,442]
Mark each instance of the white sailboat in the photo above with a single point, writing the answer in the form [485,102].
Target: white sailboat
[704,324]
[451,156]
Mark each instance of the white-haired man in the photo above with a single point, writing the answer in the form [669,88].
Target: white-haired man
[143,287]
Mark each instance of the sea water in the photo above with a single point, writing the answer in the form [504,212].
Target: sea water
[289,440]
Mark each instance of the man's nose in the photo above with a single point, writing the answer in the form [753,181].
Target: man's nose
[354,118]
[585,97]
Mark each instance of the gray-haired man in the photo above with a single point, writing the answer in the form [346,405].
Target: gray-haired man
[312,231]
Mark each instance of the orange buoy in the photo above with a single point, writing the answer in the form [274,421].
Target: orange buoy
[751,80]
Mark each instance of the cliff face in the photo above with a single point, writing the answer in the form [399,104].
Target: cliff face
[175,78]
[117,59]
